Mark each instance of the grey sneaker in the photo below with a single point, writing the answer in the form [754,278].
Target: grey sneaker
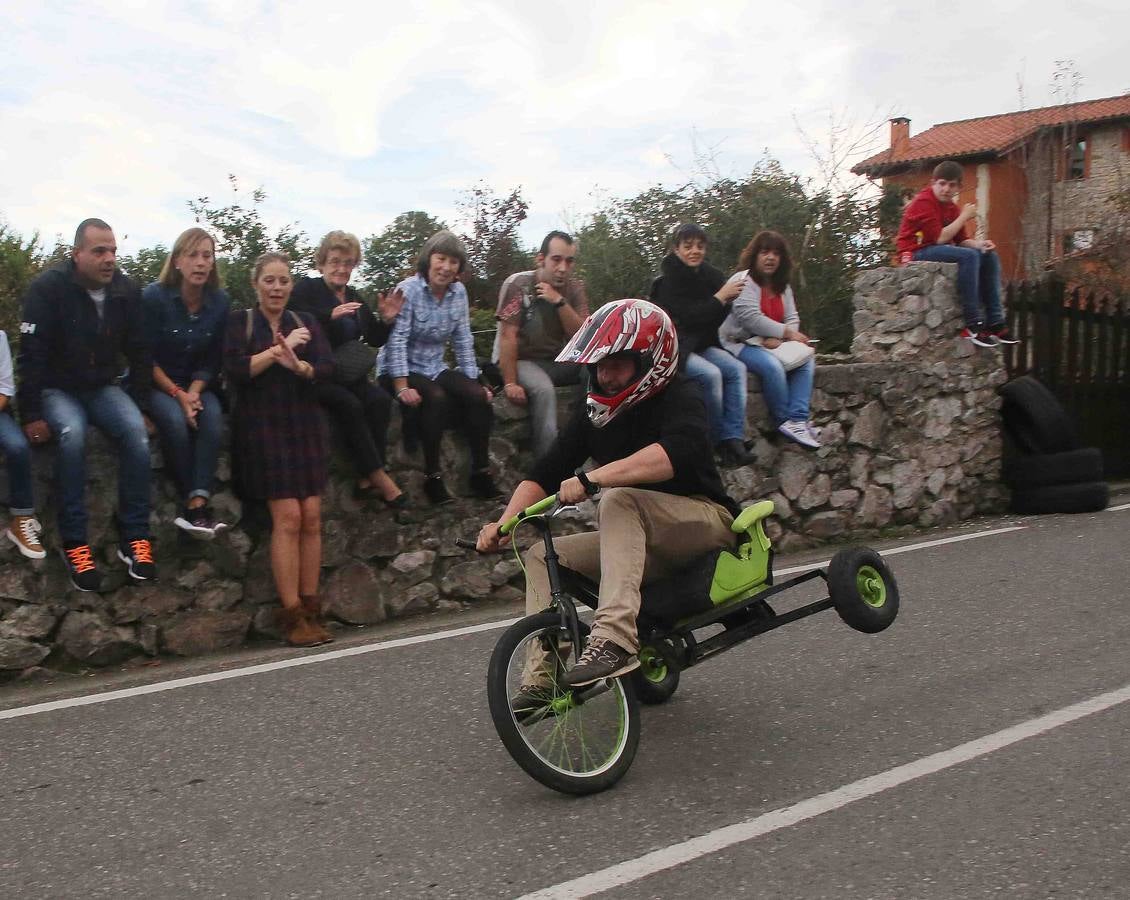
[601,659]
[798,432]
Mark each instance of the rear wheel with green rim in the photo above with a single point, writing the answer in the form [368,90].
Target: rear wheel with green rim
[862,589]
[574,740]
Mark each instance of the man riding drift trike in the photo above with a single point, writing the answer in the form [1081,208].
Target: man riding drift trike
[666,558]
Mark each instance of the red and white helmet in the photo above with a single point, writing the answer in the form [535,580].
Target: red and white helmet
[625,326]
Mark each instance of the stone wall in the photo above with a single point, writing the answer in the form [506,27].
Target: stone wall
[910,439]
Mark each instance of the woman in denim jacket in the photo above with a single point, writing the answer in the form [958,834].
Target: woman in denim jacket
[186,311]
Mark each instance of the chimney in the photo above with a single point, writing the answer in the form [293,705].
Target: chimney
[900,133]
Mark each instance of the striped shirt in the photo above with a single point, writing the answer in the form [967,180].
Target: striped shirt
[422,330]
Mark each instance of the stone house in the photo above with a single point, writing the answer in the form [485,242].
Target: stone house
[1046,181]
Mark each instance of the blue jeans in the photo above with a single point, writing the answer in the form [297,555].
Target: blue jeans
[786,393]
[191,454]
[978,282]
[723,381]
[110,409]
[17,451]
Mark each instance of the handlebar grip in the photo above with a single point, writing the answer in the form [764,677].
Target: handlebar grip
[532,510]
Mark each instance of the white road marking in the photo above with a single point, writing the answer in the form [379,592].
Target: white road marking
[722,838]
[210,677]
[1117,508]
[794,570]
[174,684]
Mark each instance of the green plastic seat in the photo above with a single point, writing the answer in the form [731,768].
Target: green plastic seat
[741,575]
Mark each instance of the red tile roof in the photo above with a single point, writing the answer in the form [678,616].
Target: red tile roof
[989,134]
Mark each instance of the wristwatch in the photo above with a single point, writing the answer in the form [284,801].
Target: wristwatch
[559,304]
[590,487]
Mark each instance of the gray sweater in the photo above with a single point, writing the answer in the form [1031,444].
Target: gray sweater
[746,319]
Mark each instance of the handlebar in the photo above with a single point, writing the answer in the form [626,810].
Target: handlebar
[534,510]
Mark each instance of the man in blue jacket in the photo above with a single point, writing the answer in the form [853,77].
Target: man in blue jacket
[80,319]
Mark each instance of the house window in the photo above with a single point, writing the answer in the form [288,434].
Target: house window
[1075,159]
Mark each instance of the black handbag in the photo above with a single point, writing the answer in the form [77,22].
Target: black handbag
[353,361]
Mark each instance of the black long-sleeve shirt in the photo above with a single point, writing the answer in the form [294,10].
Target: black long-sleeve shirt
[313,295]
[687,295]
[675,419]
[65,344]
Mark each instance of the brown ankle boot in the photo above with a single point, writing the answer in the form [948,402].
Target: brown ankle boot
[312,606]
[300,631]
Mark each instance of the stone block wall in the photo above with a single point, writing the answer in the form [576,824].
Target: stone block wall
[909,425]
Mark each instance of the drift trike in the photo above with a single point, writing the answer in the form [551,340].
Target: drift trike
[582,740]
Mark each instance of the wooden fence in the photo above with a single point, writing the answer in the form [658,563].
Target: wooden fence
[1078,344]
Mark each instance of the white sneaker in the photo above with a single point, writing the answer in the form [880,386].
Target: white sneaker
[813,432]
[798,432]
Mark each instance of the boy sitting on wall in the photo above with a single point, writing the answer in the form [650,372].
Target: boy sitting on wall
[934,229]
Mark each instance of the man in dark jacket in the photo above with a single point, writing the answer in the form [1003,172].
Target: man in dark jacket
[79,320]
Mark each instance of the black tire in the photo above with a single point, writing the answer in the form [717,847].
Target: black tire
[657,678]
[1062,498]
[863,590]
[1045,469]
[570,746]
[1035,419]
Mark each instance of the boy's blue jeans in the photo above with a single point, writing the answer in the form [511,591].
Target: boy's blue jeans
[110,409]
[978,282]
[724,387]
[17,451]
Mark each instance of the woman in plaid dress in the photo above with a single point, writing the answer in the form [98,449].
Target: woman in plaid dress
[279,436]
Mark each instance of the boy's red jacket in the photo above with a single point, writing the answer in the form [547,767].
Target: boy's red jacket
[922,222]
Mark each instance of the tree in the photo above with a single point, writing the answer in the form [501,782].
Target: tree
[830,236]
[390,256]
[242,237]
[20,261]
[491,238]
[146,265]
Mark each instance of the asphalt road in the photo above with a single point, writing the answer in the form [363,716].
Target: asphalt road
[380,773]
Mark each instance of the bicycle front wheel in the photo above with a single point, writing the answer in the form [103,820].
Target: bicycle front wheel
[574,740]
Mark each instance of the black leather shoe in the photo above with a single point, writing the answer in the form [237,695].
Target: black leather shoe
[482,485]
[435,491]
[732,453]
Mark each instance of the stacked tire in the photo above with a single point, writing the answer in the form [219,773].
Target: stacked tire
[1046,467]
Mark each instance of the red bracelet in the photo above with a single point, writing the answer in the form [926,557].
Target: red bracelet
[175,391]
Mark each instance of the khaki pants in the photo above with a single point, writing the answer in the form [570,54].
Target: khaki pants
[644,536]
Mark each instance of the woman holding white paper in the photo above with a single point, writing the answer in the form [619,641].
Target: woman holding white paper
[763,331]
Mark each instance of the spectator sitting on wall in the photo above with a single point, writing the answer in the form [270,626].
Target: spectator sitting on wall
[413,369]
[934,229]
[763,331]
[360,407]
[23,527]
[79,320]
[538,312]
[186,311]
[697,298]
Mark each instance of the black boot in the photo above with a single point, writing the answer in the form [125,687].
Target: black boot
[732,453]
[435,491]
[482,485]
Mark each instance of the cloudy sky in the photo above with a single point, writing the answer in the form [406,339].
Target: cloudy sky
[350,114]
